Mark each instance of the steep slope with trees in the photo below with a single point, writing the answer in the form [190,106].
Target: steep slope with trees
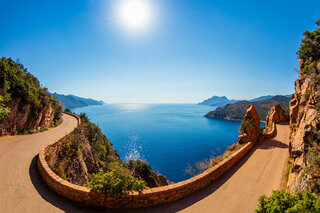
[24,105]
[87,157]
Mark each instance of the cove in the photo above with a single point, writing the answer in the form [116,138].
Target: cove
[167,136]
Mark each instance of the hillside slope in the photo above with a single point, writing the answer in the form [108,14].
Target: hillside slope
[72,101]
[24,105]
[236,111]
[86,152]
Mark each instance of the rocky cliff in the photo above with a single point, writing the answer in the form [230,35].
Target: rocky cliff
[305,118]
[86,151]
[24,106]
[305,132]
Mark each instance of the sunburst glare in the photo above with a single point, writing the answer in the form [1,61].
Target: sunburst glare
[134,14]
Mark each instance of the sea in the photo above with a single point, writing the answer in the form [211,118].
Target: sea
[170,137]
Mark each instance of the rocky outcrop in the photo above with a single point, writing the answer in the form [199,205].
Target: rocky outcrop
[275,115]
[305,128]
[251,131]
[23,117]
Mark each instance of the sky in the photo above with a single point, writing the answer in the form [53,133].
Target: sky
[188,51]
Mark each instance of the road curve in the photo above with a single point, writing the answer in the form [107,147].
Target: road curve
[19,180]
[22,189]
[258,173]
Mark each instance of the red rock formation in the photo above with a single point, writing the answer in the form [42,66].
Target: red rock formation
[23,117]
[252,133]
[305,126]
[275,115]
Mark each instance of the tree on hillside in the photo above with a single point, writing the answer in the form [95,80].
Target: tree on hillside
[310,46]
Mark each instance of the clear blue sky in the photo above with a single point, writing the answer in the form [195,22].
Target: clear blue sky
[195,48]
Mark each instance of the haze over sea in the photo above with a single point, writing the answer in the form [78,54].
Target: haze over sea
[167,136]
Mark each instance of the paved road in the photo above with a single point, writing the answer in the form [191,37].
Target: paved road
[22,189]
[258,173]
[18,174]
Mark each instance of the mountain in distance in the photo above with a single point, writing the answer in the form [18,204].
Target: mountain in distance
[223,100]
[218,101]
[261,98]
[236,111]
[72,101]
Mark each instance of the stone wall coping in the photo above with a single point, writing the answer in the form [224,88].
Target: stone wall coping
[137,199]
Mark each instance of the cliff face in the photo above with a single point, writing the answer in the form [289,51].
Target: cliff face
[24,105]
[87,151]
[305,131]
[22,117]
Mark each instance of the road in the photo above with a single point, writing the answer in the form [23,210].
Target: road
[18,173]
[259,172]
[22,189]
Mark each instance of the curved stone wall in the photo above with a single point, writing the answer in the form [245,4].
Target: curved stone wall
[135,199]
[270,134]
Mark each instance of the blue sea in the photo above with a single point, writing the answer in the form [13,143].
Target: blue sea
[167,136]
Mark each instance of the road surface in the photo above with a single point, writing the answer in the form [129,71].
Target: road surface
[22,189]
[18,173]
[259,172]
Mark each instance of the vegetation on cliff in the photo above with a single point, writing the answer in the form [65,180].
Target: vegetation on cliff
[246,124]
[305,118]
[281,201]
[200,166]
[304,111]
[310,46]
[86,157]
[22,96]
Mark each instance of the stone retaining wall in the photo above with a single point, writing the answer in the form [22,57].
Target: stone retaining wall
[74,115]
[270,134]
[135,199]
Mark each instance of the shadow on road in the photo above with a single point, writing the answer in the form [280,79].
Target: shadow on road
[69,206]
[52,197]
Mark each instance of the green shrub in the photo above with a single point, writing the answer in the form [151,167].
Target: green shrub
[281,201]
[17,82]
[141,169]
[117,181]
[67,110]
[246,124]
[308,94]
[83,116]
[309,48]
[4,111]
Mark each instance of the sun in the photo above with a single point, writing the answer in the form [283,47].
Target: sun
[134,14]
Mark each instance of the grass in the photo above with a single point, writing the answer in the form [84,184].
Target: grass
[201,166]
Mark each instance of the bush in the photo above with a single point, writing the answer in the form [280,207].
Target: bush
[17,82]
[309,48]
[246,124]
[67,110]
[83,116]
[281,201]
[4,111]
[117,181]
